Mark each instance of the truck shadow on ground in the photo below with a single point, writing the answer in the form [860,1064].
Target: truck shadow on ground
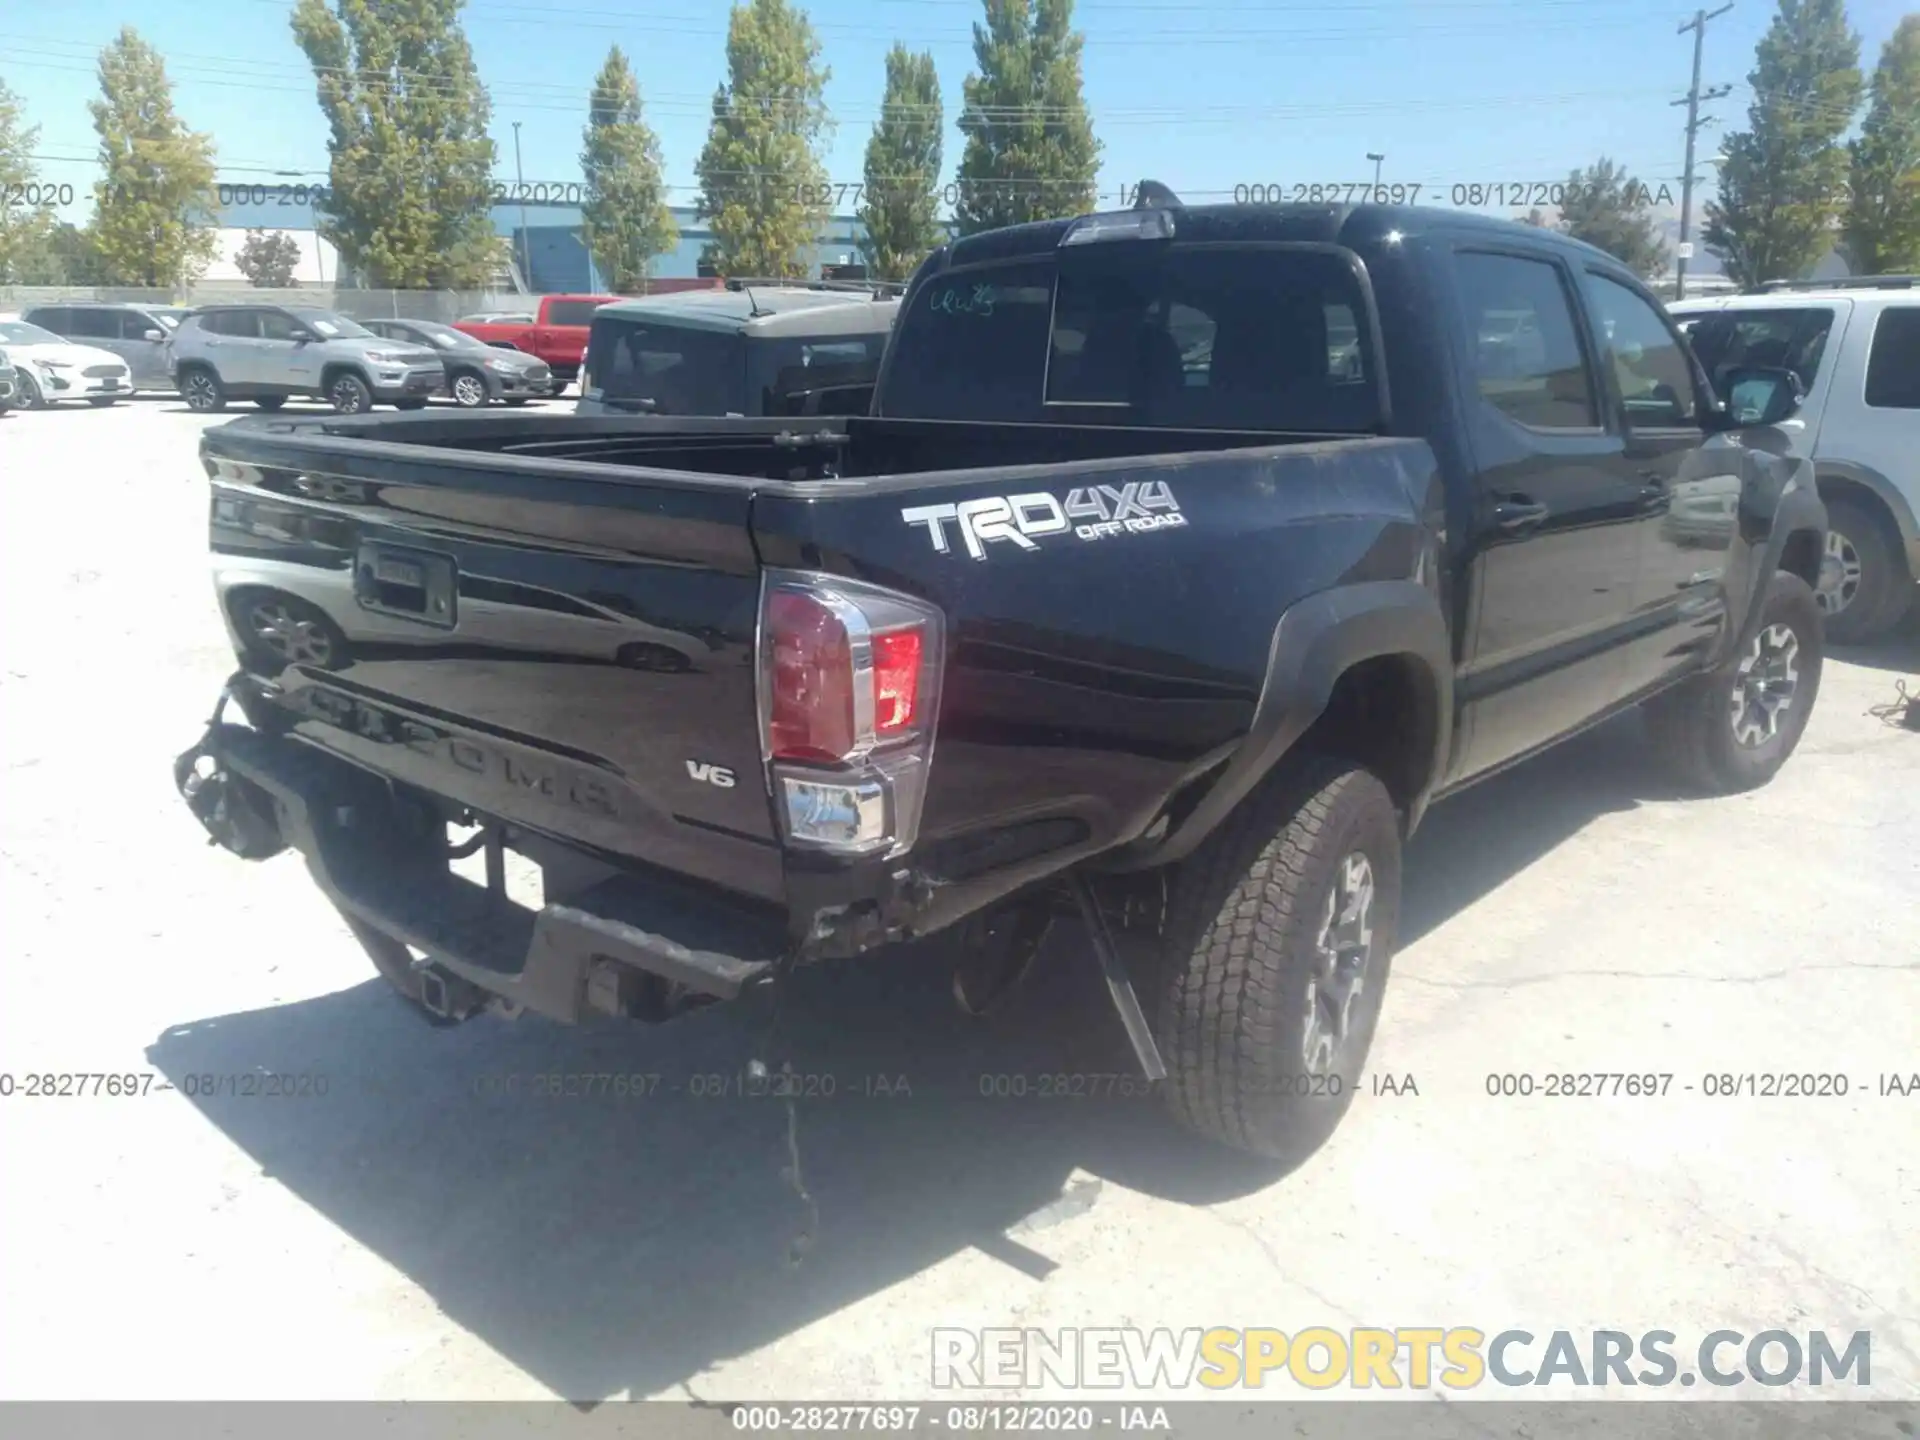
[610,1243]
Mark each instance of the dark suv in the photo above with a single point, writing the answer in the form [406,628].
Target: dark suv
[477,373]
[269,353]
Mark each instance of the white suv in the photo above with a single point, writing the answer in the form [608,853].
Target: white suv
[1856,347]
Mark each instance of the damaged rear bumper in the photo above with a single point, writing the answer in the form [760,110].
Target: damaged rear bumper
[626,944]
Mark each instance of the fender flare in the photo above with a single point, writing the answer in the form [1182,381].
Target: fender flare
[1800,510]
[1317,641]
[330,370]
[1883,489]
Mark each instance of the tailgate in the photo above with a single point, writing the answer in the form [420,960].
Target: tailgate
[548,642]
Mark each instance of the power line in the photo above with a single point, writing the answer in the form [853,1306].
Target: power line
[1692,99]
[223,72]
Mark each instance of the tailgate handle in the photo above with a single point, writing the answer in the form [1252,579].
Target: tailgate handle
[412,584]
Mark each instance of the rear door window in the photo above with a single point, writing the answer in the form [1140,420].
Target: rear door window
[1893,365]
[1527,359]
[240,324]
[682,371]
[85,324]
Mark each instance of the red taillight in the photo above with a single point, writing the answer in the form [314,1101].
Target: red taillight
[896,680]
[810,712]
[849,694]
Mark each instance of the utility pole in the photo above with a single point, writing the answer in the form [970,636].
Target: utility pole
[520,185]
[1692,99]
[1378,160]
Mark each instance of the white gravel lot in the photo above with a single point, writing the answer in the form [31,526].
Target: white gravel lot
[401,1237]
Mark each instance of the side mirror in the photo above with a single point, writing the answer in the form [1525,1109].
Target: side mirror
[303,337]
[1760,395]
[153,334]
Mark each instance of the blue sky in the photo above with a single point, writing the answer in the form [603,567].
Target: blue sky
[1203,94]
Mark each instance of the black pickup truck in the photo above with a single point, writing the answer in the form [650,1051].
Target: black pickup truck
[1186,556]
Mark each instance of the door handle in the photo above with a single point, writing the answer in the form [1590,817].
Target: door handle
[1517,514]
[1653,490]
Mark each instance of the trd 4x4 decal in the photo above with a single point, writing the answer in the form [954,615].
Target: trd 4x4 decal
[1090,512]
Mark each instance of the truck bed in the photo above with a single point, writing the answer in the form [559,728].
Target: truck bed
[552,620]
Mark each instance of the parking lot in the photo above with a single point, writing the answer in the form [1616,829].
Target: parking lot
[418,1231]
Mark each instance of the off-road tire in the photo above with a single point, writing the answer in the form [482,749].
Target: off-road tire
[414,402]
[1692,725]
[270,402]
[101,402]
[1239,952]
[1885,587]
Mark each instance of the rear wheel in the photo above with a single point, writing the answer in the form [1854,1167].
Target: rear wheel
[269,402]
[1733,729]
[469,391]
[1864,589]
[202,391]
[101,402]
[414,403]
[348,394]
[1278,942]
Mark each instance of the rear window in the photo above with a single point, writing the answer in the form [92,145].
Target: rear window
[683,372]
[1216,338]
[1893,365]
[571,312]
[823,376]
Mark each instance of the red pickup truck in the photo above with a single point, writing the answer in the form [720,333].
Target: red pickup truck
[558,334]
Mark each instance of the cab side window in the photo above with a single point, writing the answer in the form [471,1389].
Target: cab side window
[1649,364]
[1527,358]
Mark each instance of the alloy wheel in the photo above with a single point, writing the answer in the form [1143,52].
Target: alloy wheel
[346,396]
[1840,571]
[1342,952]
[1764,685]
[468,390]
[201,393]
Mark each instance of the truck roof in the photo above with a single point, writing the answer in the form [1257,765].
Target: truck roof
[770,310]
[1348,225]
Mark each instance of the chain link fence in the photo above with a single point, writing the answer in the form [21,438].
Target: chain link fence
[441,305]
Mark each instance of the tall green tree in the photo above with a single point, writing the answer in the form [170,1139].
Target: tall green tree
[625,218]
[410,180]
[153,206]
[1606,207]
[763,185]
[1882,230]
[900,202]
[1030,152]
[26,230]
[1783,178]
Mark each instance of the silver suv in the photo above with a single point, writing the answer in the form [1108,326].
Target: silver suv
[269,353]
[136,333]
